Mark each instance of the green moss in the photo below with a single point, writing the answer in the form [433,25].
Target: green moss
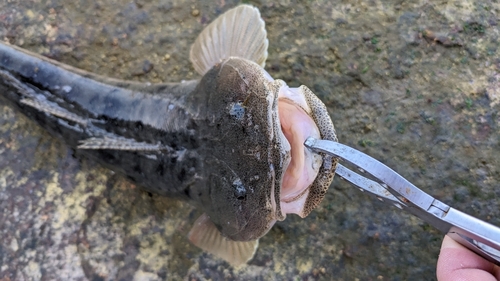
[401,127]
[365,142]
[469,103]
[474,28]
[430,120]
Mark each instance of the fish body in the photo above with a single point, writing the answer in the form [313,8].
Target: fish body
[77,108]
[230,143]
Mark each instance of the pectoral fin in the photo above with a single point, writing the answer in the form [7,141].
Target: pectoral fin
[206,236]
[240,32]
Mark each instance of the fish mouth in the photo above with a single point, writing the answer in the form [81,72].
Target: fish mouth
[297,124]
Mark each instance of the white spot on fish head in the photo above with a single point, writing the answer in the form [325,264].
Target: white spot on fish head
[67,88]
[171,106]
[237,111]
[239,189]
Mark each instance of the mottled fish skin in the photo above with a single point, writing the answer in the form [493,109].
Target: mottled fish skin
[216,136]
[110,111]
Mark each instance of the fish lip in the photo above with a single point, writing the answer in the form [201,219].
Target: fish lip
[280,145]
[285,152]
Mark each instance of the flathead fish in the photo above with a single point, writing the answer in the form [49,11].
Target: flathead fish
[231,142]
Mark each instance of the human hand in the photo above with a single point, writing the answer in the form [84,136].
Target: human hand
[457,263]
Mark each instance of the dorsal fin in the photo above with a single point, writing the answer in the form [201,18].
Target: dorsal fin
[206,236]
[239,32]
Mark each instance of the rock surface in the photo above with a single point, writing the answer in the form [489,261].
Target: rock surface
[414,84]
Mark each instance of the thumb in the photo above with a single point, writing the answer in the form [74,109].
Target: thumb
[456,262]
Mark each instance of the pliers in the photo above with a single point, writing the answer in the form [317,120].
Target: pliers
[390,187]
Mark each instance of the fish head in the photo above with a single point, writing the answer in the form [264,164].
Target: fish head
[250,150]
[261,170]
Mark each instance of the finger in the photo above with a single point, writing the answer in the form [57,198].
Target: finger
[459,263]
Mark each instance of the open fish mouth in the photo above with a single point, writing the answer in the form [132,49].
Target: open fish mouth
[304,165]
[308,175]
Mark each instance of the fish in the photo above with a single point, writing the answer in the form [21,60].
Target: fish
[230,143]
